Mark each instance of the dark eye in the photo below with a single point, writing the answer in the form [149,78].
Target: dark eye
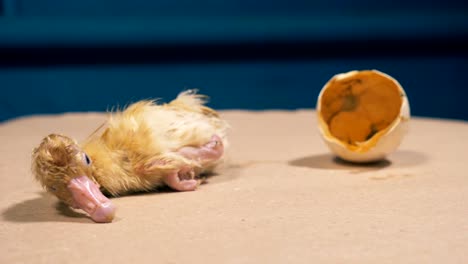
[87,160]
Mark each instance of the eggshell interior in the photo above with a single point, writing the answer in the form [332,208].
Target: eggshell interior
[358,107]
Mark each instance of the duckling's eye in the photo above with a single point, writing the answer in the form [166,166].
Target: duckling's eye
[86,159]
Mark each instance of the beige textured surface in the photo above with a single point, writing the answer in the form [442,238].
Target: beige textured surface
[282,199]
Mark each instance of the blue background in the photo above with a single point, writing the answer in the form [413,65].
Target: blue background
[89,55]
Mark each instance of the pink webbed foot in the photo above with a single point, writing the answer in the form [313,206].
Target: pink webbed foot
[87,196]
[211,151]
[182,180]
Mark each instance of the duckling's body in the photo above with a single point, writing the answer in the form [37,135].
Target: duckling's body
[144,147]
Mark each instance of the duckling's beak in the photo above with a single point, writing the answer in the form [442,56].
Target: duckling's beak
[87,196]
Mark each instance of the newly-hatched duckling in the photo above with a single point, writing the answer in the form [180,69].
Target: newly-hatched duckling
[143,147]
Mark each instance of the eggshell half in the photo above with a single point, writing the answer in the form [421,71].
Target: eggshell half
[362,115]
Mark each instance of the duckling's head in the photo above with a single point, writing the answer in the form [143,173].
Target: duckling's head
[56,161]
[65,170]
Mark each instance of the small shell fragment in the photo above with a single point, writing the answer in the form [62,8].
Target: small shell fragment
[362,115]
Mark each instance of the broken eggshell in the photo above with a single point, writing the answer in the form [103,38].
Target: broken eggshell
[362,115]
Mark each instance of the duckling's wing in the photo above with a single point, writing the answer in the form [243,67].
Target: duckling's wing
[129,130]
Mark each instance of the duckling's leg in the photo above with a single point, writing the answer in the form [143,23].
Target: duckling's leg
[182,180]
[172,168]
[211,151]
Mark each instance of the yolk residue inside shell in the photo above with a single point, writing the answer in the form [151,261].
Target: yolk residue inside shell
[357,107]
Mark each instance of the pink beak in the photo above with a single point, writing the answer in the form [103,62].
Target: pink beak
[87,196]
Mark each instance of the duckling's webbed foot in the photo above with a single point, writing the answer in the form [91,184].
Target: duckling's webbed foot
[87,196]
[182,180]
[211,151]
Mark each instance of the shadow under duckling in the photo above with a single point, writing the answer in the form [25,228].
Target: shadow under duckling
[141,148]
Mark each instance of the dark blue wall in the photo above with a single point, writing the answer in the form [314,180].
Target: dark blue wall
[112,8]
[58,56]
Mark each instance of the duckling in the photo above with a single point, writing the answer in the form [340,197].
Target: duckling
[146,146]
